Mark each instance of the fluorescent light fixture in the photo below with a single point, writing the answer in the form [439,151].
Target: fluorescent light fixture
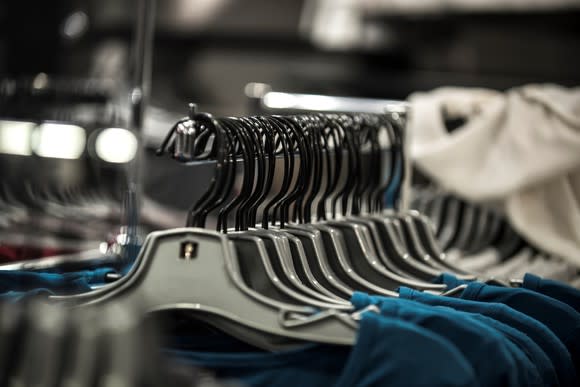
[319,102]
[116,145]
[15,137]
[60,141]
[277,100]
[310,102]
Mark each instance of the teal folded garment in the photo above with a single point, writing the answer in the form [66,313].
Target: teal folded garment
[477,342]
[554,289]
[554,335]
[557,316]
[18,282]
[388,352]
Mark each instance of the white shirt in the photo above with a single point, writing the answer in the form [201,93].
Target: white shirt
[520,149]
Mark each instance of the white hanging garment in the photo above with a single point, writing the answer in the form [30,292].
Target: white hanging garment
[520,149]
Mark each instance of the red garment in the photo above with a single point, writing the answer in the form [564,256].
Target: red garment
[12,253]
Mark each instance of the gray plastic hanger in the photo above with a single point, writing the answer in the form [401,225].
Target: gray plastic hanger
[467,226]
[261,259]
[197,270]
[485,233]
[456,291]
[414,246]
[367,270]
[83,362]
[355,272]
[432,205]
[435,208]
[318,261]
[392,241]
[390,274]
[11,332]
[475,236]
[413,241]
[494,228]
[46,335]
[386,257]
[394,252]
[304,272]
[421,247]
[425,231]
[449,220]
[287,241]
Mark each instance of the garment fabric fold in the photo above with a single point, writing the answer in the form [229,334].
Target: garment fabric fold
[518,149]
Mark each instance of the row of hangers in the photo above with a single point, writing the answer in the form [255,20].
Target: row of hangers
[46,345]
[468,227]
[61,212]
[284,271]
[478,237]
[42,97]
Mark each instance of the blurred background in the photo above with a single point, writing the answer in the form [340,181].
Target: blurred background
[66,70]
[208,50]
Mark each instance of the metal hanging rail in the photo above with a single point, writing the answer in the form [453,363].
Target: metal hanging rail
[265,99]
[139,93]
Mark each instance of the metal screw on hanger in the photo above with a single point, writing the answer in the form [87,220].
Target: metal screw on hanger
[184,141]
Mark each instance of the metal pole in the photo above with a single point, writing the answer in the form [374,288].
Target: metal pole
[142,62]
[139,94]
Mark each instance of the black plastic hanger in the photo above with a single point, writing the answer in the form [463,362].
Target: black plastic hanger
[310,276]
[287,150]
[333,239]
[361,236]
[262,252]
[278,255]
[421,262]
[248,173]
[310,238]
[198,212]
[363,239]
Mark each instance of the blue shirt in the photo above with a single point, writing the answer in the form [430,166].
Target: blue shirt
[536,357]
[20,282]
[21,296]
[387,352]
[555,289]
[477,342]
[538,332]
[559,317]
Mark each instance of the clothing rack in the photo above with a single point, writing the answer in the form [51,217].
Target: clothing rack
[370,282]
